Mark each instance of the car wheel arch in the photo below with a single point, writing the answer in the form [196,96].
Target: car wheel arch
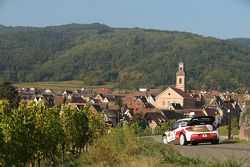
[185,140]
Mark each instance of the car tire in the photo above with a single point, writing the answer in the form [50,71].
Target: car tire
[215,141]
[164,139]
[194,143]
[183,140]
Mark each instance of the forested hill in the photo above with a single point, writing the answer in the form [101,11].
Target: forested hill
[96,53]
[241,41]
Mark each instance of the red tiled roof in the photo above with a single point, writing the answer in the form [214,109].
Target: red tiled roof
[135,94]
[146,110]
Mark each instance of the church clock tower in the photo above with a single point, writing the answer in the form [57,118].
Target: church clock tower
[180,77]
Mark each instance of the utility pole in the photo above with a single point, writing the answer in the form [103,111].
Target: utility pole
[229,124]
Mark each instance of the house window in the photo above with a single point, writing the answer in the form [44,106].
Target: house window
[180,81]
[181,68]
[163,103]
[169,94]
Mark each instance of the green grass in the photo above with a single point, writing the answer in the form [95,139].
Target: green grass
[223,131]
[61,85]
[122,148]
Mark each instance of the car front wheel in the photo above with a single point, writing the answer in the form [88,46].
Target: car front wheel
[164,139]
[183,140]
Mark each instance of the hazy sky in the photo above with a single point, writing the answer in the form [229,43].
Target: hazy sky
[217,18]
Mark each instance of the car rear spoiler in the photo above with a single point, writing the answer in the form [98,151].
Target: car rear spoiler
[207,119]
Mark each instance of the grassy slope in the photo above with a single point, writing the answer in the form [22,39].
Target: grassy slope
[121,148]
[61,85]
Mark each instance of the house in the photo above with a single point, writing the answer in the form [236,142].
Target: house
[67,92]
[103,91]
[95,108]
[100,97]
[59,101]
[112,113]
[172,114]
[155,119]
[93,101]
[199,99]
[75,101]
[49,100]
[143,89]
[111,116]
[151,99]
[128,115]
[226,106]
[210,111]
[37,99]
[111,98]
[34,91]
[143,111]
[175,96]
[176,107]
[47,91]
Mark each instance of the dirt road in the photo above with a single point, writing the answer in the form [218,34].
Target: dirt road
[220,152]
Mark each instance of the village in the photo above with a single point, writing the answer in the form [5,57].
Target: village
[155,106]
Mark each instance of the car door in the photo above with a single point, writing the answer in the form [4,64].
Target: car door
[171,134]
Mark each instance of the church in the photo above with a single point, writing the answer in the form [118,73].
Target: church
[174,98]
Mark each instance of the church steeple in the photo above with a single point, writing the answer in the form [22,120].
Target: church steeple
[180,77]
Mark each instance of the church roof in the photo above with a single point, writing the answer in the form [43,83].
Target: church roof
[181,92]
[178,91]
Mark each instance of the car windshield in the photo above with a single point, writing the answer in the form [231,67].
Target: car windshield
[201,121]
[184,123]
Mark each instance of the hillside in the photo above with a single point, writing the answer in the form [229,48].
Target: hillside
[240,41]
[96,54]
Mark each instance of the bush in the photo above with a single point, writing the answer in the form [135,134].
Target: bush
[113,148]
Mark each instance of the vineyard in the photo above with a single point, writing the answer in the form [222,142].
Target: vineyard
[33,134]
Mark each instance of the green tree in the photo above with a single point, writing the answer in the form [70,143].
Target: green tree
[96,124]
[18,129]
[75,126]
[50,130]
[246,115]
[9,92]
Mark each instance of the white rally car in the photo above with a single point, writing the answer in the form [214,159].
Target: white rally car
[194,131]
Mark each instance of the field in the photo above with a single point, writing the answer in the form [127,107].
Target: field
[61,85]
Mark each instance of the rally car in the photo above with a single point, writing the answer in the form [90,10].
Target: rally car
[196,130]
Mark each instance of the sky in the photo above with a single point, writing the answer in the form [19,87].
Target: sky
[216,18]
